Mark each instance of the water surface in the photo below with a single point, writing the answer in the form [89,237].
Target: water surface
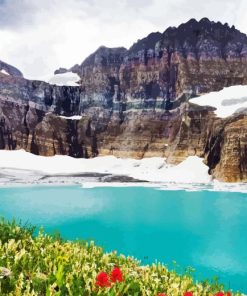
[203,229]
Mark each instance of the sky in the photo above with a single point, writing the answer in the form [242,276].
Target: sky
[40,36]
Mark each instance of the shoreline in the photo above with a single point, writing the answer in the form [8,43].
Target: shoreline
[91,180]
[21,168]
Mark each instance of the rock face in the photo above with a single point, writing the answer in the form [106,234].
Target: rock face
[195,58]
[10,69]
[228,157]
[134,103]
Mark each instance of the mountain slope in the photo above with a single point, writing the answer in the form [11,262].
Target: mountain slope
[135,103]
[195,58]
[9,70]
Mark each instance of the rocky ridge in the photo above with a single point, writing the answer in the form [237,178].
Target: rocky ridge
[9,70]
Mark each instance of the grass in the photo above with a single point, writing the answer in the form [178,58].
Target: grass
[46,265]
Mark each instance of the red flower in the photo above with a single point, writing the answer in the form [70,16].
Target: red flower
[188,294]
[219,294]
[161,294]
[116,275]
[228,294]
[102,280]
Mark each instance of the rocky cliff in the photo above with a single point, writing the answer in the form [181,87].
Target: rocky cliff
[135,103]
[195,58]
[9,70]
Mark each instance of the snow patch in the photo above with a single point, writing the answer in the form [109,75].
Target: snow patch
[64,79]
[227,101]
[75,117]
[4,72]
[154,169]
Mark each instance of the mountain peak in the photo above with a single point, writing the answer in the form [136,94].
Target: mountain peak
[105,55]
[148,42]
[198,38]
[10,70]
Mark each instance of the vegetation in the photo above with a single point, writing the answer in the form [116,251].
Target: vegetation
[46,265]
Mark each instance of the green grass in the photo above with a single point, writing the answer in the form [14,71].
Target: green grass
[46,265]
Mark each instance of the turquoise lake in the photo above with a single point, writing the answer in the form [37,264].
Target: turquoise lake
[203,229]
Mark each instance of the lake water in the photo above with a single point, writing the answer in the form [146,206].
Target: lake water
[203,229]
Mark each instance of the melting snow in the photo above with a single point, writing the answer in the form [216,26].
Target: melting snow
[75,117]
[227,101]
[66,79]
[155,169]
[4,72]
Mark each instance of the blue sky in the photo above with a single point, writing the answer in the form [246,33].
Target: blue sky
[40,36]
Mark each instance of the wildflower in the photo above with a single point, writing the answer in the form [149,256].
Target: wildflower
[161,294]
[102,280]
[4,272]
[188,294]
[219,294]
[228,294]
[116,275]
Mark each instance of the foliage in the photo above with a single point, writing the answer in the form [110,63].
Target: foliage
[46,265]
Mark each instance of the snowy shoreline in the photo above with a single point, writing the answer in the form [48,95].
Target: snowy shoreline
[154,169]
[20,168]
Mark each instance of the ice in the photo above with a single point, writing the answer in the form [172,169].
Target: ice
[227,101]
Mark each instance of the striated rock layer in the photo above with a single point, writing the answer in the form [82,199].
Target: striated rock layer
[195,58]
[134,103]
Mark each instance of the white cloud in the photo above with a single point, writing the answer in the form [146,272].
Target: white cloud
[40,36]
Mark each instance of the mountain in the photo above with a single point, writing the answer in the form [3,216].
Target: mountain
[136,102]
[195,58]
[9,70]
